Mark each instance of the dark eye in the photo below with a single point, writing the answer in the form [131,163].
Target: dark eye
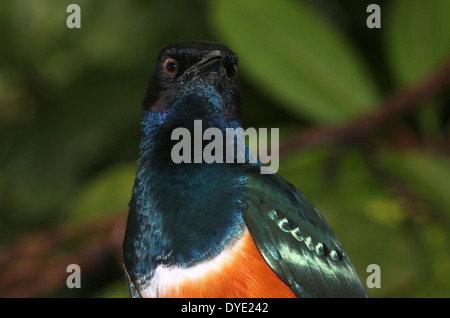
[232,72]
[170,67]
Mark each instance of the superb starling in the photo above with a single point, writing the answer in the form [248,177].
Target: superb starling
[219,229]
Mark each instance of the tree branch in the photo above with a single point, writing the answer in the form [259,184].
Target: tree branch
[36,264]
[366,126]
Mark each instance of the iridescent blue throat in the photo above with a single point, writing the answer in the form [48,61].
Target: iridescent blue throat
[181,214]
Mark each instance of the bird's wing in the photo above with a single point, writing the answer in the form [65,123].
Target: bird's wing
[296,241]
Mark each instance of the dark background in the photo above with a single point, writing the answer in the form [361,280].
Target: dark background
[363,117]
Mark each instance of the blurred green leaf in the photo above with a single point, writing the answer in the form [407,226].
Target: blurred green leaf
[296,57]
[417,38]
[427,174]
[108,192]
[417,42]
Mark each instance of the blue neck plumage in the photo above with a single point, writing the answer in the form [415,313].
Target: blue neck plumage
[180,213]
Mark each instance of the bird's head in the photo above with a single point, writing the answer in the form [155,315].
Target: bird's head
[195,80]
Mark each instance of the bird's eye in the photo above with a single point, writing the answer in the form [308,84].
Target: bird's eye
[232,73]
[170,67]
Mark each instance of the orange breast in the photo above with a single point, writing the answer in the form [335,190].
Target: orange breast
[245,275]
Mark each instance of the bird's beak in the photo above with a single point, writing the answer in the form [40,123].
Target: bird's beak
[210,63]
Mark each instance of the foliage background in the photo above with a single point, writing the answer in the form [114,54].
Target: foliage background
[70,112]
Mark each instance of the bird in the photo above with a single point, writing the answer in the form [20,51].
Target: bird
[219,229]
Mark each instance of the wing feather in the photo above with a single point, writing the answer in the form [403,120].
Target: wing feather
[296,241]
